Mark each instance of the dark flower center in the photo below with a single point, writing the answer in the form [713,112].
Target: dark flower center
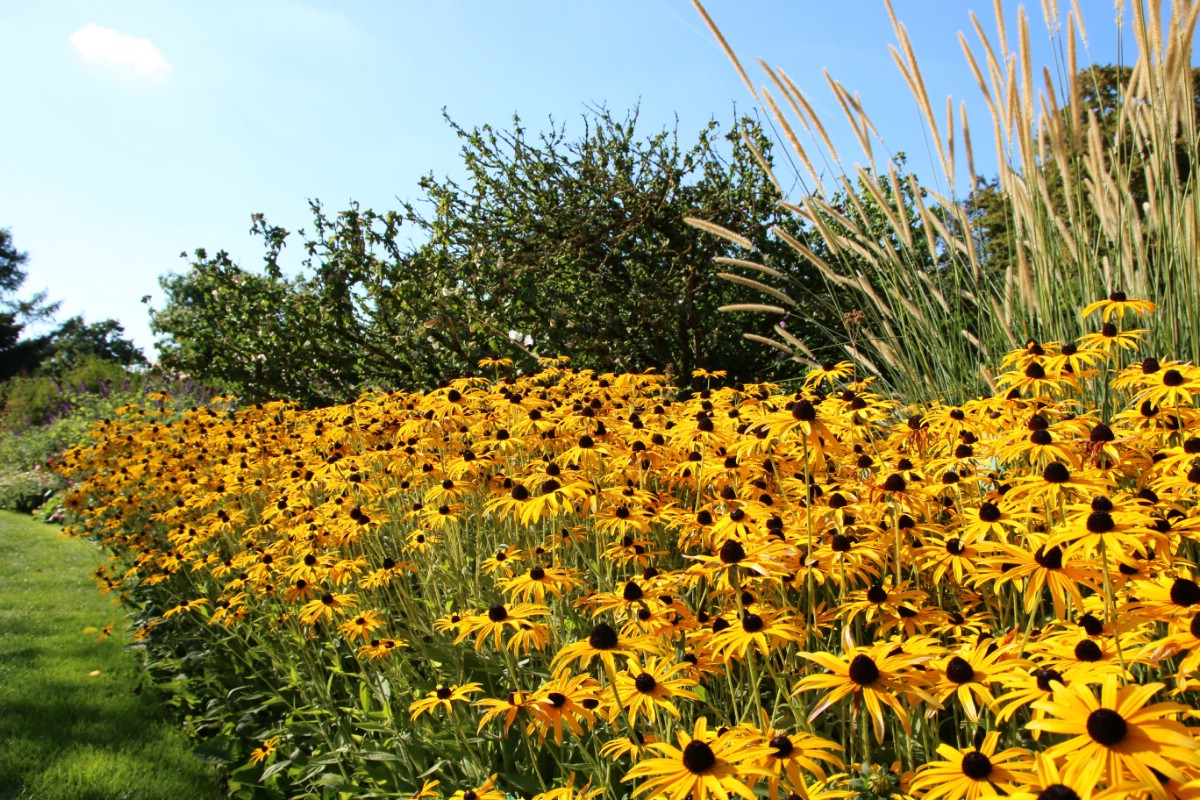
[1108,330]
[603,637]
[1150,366]
[536,573]
[752,623]
[645,682]
[1117,297]
[1185,592]
[519,492]
[1194,628]
[783,746]
[804,411]
[1057,791]
[1172,377]
[1106,727]
[1049,559]
[1044,676]
[632,592]
[976,766]
[1087,650]
[1035,371]
[1100,522]
[1056,473]
[877,594]
[955,547]
[732,552]
[959,670]
[1041,438]
[557,699]
[841,543]
[863,670]
[1090,624]
[894,483]
[698,757]
[497,613]
[443,692]
[989,512]
[327,599]
[1101,433]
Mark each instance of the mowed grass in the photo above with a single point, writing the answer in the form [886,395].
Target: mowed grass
[66,732]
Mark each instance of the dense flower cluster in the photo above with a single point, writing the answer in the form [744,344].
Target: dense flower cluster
[521,581]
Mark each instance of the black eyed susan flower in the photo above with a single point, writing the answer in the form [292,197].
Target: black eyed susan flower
[485,791]
[968,675]
[605,644]
[1117,304]
[635,747]
[873,677]
[788,756]
[185,606]
[444,697]
[971,774]
[764,630]
[264,751]
[500,619]
[651,685]
[508,709]
[702,766]
[569,700]
[1116,736]
[362,625]
[325,607]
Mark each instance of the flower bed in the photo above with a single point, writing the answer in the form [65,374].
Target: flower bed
[567,584]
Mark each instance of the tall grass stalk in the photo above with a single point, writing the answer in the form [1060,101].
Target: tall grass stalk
[938,297]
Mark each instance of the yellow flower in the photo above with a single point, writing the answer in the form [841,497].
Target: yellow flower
[443,697]
[702,766]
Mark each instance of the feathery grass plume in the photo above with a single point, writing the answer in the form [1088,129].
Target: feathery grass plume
[1094,196]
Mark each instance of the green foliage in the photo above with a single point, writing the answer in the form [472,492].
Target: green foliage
[24,491]
[550,246]
[19,355]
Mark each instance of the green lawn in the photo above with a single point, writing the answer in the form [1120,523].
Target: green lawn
[71,725]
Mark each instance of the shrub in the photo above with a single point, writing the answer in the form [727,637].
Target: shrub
[25,491]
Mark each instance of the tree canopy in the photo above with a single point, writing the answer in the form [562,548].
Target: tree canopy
[551,245]
[63,347]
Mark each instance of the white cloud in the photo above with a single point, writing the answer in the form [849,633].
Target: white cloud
[105,44]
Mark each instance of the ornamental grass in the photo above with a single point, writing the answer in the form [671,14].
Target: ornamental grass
[576,585]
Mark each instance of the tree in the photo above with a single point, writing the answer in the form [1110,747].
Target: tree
[19,355]
[64,347]
[549,246]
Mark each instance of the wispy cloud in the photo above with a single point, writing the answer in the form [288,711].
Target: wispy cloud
[105,44]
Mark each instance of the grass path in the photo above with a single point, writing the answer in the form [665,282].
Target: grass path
[71,726]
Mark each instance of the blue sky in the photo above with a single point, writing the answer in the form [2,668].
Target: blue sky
[139,129]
